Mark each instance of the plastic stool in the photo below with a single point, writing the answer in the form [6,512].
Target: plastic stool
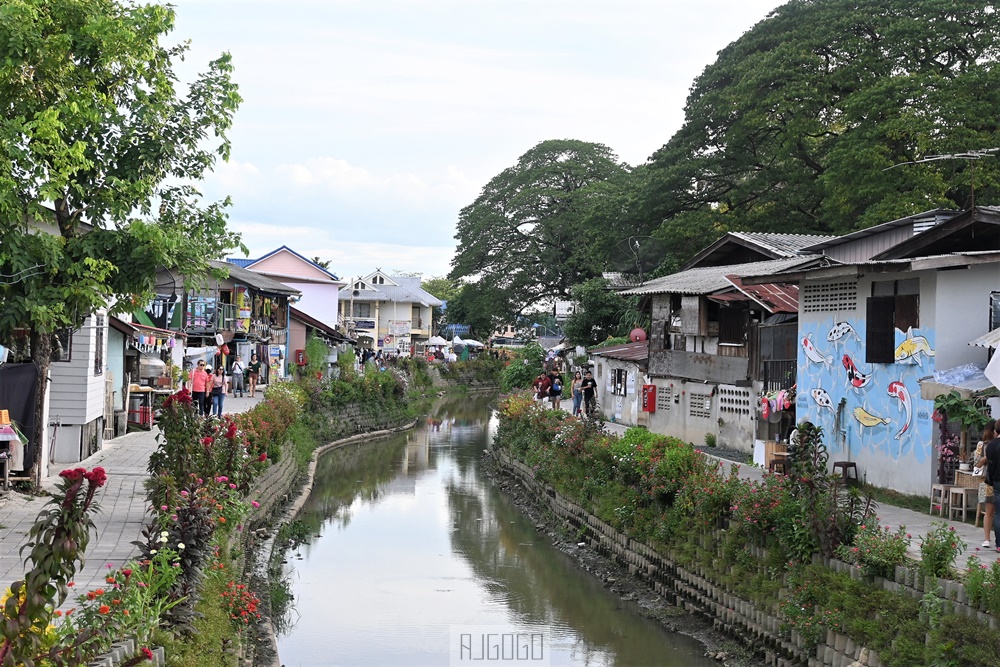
[846,466]
[939,497]
[958,502]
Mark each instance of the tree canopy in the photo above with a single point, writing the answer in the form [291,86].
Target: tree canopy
[794,126]
[538,227]
[98,148]
[99,157]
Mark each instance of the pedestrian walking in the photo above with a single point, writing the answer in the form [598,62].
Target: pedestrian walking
[589,387]
[237,374]
[991,461]
[219,390]
[577,392]
[253,373]
[199,385]
[556,388]
[541,386]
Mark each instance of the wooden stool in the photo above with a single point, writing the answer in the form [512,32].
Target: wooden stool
[939,497]
[774,464]
[959,503]
[845,466]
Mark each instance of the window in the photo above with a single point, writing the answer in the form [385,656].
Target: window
[99,345]
[894,304]
[362,310]
[62,345]
[734,324]
[619,381]
[378,280]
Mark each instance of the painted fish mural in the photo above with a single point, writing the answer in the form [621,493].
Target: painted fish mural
[856,378]
[822,398]
[867,419]
[899,391]
[841,329]
[813,355]
[913,349]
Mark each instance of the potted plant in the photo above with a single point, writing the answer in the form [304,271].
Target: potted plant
[966,411]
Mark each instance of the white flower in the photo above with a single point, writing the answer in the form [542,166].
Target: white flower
[180,546]
[153,552]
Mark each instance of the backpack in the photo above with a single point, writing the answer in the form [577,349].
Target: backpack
[556,386]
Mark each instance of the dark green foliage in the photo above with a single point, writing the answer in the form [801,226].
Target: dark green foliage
[794,125]
[523,368]
[536,230]
[600,313]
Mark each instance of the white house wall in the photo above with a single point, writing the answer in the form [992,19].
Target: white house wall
[963,311]
[77,394]
[879,421]
[690,410]
[318,300]
[623,409]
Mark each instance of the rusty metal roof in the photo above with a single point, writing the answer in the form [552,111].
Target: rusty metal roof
[624,352]
[709,279]
[775,297]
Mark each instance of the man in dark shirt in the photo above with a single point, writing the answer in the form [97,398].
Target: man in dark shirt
[991,460]
[589,387]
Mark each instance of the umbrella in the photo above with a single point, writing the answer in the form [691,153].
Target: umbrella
[436,340]
[457,341]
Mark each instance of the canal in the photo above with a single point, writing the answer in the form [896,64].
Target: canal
[418,559]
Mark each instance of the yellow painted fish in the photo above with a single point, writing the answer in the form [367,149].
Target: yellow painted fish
[867,419]
[914,348]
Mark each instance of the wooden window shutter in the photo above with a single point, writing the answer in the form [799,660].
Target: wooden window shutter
[880,338]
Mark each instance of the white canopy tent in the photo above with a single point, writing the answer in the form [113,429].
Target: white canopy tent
[436,340]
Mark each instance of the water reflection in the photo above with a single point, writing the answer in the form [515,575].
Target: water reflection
[414,542]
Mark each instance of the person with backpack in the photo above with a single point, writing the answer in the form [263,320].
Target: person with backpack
[589,388]
[555,389]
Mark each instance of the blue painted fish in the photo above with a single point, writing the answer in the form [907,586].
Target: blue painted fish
[913,349]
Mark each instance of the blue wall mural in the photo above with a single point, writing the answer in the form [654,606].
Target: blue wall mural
[883,413]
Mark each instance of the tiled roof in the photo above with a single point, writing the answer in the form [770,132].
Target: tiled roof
[625,352]
[241,262]
[408,291]
[708,279]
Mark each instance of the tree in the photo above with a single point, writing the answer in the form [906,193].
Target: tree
[537,228]
[794,126]
[100,150]
[600,314]
[324,263]
[480,307]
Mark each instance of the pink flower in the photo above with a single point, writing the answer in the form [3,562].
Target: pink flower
[254,504]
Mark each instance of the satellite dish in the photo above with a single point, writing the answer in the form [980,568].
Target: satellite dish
[638,255]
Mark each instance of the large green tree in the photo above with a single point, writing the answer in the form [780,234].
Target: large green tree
[600,314]
[540,227]
[99,156]
[794,126]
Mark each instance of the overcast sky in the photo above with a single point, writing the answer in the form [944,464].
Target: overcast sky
[368,124]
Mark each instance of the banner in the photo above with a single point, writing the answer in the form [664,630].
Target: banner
[241,297]
[399,327]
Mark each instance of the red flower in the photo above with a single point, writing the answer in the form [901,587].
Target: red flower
[262,457]
[127,573]
[104,609]
[207,440]
[74,475]
[97,476]
[146,652]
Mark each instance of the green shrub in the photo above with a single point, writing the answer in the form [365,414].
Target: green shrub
[938,550]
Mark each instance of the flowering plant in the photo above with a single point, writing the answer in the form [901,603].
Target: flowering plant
[876,549]
[938,550]
[241,603]
[948,450]
[983,584]
[56,543]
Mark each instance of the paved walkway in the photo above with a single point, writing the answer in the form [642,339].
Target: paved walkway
[917,523]
[122,503]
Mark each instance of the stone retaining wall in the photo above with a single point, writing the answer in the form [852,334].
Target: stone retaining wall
[691,588]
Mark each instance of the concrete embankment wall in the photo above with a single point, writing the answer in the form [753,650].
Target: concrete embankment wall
[691,588]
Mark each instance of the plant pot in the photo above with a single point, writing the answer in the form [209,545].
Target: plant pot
[965,467]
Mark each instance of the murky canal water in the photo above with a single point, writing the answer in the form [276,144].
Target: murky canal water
[418,552]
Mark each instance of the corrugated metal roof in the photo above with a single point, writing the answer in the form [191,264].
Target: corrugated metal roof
[708,279]
[397,293]
[776,297]
[241,262]
[932,217]
[991,339]
[254,279]
[785,245]
[625,352]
